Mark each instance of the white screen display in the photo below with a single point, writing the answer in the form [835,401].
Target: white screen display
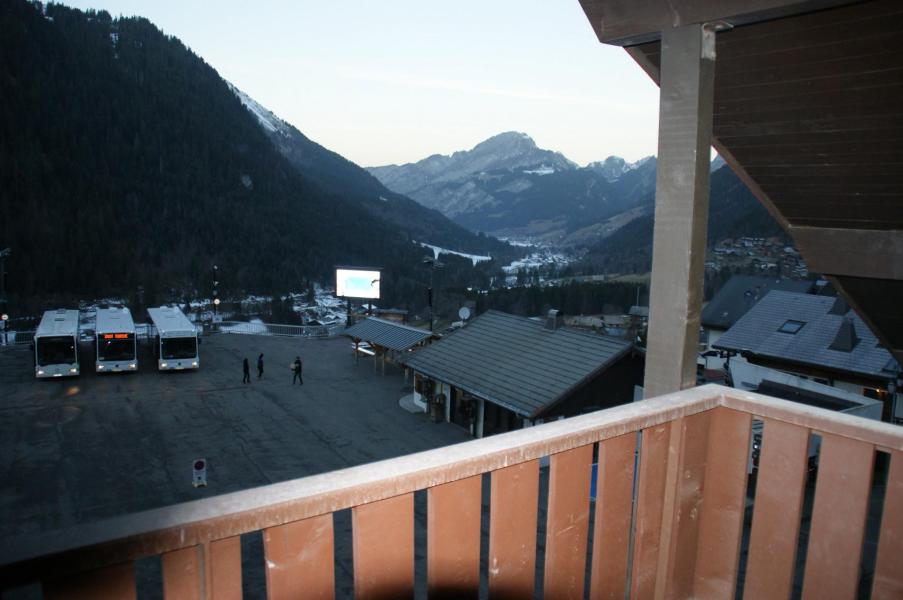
[357,283]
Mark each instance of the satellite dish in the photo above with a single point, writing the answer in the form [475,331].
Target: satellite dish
[464,313]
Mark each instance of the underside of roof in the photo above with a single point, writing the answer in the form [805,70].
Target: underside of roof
[807,112]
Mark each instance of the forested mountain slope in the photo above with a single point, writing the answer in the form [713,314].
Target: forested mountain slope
[127,163]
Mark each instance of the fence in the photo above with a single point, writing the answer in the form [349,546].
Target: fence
[679,535]
[16,338]
[257,328]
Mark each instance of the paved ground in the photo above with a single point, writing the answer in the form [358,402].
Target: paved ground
[95,446]
[98,445]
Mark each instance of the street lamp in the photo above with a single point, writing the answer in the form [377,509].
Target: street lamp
[433,264]
[215,284]
[4,315]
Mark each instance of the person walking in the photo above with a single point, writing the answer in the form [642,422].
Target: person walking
[260,366]
[246,367]
[296,369]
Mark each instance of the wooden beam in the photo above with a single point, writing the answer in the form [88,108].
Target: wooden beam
[681,208]
[631,22]
[871,253]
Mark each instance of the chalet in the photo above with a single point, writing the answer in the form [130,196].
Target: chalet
[818,337]
[732,301]
[504,372]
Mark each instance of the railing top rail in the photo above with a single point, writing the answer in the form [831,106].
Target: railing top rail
[156,531]
[883,435]
[152,532]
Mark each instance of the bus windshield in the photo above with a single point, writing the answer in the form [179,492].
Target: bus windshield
[182,347]
[118,346]
[56,350]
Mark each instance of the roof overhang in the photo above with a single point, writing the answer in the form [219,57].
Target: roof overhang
[807,114]
[631,22]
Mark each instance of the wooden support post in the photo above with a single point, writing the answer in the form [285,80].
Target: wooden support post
[481,417]
[681,207]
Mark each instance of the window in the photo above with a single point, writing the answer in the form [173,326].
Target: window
[791,326]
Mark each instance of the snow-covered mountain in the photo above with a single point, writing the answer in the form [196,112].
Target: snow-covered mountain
[340,176]
[508,186]
[614,167]
[442,182]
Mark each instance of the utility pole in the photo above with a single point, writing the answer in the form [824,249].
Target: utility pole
[433,264]
[215,291]
[4,313]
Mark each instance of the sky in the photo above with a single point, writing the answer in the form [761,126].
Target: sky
[394,82]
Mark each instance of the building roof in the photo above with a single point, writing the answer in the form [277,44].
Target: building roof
[741,293]
[517,362]
[801,328]
[388,334]
[809,118]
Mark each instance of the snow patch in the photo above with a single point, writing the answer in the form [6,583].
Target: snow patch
[543,170]
[266,118]
[474,258]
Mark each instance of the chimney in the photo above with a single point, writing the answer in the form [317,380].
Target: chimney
[846,338]
[554,319]
[839,307]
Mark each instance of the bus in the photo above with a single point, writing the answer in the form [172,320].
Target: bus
[56,344]
[176,344]
[117,346]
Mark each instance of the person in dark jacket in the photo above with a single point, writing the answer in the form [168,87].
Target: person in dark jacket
[297,366]
[246,367]
[260,366]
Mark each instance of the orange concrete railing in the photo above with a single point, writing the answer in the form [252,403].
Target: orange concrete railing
[680,538]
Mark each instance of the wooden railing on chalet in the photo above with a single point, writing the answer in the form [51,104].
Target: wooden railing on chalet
[681,539]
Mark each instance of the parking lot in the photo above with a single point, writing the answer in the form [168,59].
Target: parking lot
[94,446]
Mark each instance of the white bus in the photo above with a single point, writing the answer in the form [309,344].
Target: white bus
[176,344]
[56,344]
[117,346]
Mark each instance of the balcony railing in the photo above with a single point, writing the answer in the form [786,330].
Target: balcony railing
[675,532]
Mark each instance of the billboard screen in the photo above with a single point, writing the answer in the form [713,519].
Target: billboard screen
[357,283]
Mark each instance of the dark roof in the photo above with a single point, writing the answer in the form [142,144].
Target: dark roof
[797,129]
[639,311]
[388,334]
[757,334]
[517,362]
[804,396]
[740,294]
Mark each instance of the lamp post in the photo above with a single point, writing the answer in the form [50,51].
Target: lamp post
[433,264]
[4,315]
[215,284]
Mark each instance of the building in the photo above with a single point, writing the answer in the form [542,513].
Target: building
[504,372]
[818,337]
[392,314]
[778,384]
[731,302]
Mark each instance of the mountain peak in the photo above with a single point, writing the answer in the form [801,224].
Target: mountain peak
[613,167]
[508,138]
